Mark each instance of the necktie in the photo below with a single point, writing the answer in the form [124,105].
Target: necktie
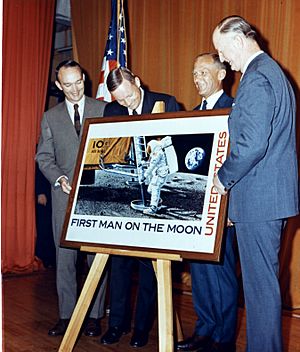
[204,105]
[77,119]
[134,112]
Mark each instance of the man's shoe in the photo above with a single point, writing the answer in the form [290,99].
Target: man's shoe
[59,328]
[139,338]
[221,347]
[92,327]
[113,335]
[194,343]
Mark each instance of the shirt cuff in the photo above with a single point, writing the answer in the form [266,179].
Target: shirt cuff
[57,183]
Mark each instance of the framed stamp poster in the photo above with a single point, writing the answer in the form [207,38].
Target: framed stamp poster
[153,187]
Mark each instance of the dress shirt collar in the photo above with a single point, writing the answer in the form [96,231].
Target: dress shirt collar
[70,107]
[140,107]
[211,100]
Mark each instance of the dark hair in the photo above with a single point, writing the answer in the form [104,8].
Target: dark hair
[116,77]
[216,60]
[237,24]
[66,64]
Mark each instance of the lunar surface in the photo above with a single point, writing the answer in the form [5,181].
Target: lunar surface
[112,194]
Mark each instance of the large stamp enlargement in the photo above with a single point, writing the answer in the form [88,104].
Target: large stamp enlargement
[169,162]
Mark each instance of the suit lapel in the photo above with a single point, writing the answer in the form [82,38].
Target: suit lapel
[220,102]
[118,109]
[123,110]
[86,110]
[67,121]
[147,103]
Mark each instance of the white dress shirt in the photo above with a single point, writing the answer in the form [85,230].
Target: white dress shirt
[211,100]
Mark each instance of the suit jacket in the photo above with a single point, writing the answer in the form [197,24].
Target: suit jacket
[261,169]
[150,98]
[223,102]
[58,148]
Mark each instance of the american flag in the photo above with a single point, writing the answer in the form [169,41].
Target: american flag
[115,50]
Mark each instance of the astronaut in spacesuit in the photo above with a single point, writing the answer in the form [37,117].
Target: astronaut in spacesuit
[158,170]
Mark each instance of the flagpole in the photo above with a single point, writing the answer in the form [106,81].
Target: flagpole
[125,34]
[118,30]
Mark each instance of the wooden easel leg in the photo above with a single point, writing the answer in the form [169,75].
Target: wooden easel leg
[165,306]
[83,303]
[179,333]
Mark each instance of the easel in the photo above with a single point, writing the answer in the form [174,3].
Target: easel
[162,267]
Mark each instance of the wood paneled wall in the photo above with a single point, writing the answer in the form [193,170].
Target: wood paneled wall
[164,36]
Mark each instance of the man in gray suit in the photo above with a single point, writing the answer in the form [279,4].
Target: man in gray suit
[261,173]
[56,156]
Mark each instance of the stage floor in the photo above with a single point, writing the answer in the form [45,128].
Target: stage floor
[30,309]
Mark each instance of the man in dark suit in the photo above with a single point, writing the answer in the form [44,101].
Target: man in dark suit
[44,246]
[56,156]
[131,99]
[214,285]
[261,173]
[208,74]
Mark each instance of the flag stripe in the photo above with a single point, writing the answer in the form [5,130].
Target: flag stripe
[115,50]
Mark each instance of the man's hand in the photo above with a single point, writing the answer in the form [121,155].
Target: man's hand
[229,222]
[42,199]
[218,186]
[65,186]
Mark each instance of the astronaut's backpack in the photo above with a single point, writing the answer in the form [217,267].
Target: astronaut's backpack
[169,150]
